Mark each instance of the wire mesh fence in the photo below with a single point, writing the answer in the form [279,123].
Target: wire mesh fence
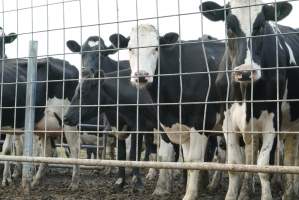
[183,81]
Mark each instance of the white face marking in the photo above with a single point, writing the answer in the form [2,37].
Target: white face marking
[92,43]
[246,12]
[143,59]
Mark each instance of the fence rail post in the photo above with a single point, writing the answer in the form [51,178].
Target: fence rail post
[30,114]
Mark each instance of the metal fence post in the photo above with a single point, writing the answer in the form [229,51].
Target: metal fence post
[30,114]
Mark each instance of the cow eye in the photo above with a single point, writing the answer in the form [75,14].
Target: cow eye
[130,49]
[156,49]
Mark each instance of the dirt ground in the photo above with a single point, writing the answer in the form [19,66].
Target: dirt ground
[99,186]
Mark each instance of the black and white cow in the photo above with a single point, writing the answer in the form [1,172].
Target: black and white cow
[254,51]
[50,97]
[105,94]
[196,85]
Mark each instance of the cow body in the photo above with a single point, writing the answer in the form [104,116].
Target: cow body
[254,77]
[127,113]
[169,89]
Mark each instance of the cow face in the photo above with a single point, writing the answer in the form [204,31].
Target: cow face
[143,45]
[93,53]
[247,29]
[5,39]
[86,97]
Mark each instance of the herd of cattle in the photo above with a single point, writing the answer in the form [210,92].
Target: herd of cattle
[188,90]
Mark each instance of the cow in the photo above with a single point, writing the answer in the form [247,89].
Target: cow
[194,60]
[109,95]
[260,57]
[56,83]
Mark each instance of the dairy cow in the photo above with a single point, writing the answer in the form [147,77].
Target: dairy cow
[260,57]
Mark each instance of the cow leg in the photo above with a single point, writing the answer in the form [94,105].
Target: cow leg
[72,136]
[195,152]
[250,156]
[289,160]
[6,150]
[217,176]
[151,149]
[121,155]
[165,180]
[19,152]
[47,148]
[234,156]
[136,179]
[263,159]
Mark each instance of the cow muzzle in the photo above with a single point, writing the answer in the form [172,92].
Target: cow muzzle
[244,73]
[141,77]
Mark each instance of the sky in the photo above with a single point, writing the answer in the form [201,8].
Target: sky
[53,22]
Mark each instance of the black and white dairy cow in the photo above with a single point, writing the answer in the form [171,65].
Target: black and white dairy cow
[94,55]
[50,97]
[252,54]
[106,95]
[196,85]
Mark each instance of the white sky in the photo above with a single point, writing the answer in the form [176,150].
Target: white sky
[53,41]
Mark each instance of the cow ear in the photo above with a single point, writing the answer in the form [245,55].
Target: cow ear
[212,11]
[283,10]
[169,38]
[10,38]
[73,46]
[109,50]
[119,41]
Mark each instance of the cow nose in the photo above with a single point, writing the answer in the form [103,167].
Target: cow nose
[141,76]
[244,73]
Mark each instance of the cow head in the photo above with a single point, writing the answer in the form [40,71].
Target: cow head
[251,45]
[143,45]
[5,39]
[93,53]
[86,97]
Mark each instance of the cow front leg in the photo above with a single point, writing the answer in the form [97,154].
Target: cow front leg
[46,148]
[121,155]
[234,156]
[6,150]
[296,176]
[251,146]
[19,152]
[196,153]
[217,175]
[72,136]
[289,160]
[263,159]
[137,184]
[164,184]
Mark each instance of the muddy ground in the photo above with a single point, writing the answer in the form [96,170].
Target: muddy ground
[95,184]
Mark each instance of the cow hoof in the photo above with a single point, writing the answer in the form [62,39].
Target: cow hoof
[6,182]
[151,175]
[288,194]
[35,182]
[73,187]
[245,190]
[267,197]
[212,187]
[119,185]
[190,197]
[160,192]
[137,185]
